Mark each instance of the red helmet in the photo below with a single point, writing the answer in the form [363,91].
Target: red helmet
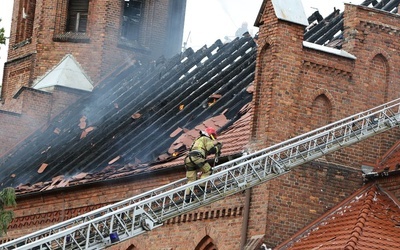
[211,131]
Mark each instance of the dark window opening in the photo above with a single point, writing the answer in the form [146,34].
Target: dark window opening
[77,16]
[26,17]
[131,20]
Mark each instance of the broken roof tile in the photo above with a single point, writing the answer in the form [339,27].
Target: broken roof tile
[220,120]
[63,183]
[114,160]
[82,122]
[250,89]
[136,116]
[79,176]
[153,93]
[42,168]
[163,157]
[176,132]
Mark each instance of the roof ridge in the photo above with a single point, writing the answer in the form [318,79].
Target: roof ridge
[392,150]
[362,218]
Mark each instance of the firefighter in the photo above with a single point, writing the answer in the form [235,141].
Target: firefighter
[196,159]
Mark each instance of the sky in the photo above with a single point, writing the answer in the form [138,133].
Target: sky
[205,21]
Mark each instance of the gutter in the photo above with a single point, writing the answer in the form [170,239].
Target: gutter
[245,218]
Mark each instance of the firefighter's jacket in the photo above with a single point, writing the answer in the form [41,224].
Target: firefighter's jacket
[201,148]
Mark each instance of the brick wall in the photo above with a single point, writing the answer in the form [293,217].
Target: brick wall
[278,208]
[17,73]
[391,184]
[297,89]
[284,205]
[98,52]
[221,221]
[36,109]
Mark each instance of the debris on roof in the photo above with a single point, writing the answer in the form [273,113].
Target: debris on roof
[114,160]
[133,112]
[329,30]
[42,168]
[136,116]
[176,132]
[185,140]
[129,122]
[82,122]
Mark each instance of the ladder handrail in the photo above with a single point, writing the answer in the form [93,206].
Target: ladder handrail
[107,208]
[244,163]
[348,120]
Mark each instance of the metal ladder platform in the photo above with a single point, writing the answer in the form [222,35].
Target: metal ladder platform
[131,217]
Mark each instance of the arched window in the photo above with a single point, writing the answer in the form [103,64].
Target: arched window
[377,84]
[263,92]
[321,111]
[206,244]
[132,247]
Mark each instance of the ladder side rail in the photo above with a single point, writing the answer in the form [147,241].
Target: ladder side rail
[84,227]
[332,126]
[227,176]
[89,215]
[227,172]
[315,134]
[364,119]
[108,208]
[246,157]
[86,238]
[351,140]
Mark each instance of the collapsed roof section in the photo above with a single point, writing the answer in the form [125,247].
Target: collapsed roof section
[135,118]
[329,30]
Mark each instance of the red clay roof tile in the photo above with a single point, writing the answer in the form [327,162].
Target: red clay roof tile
[366,220]
[234,139]
[176,132]
[42,168]
[390,161]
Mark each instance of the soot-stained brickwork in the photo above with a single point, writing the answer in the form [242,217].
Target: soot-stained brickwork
[297,87]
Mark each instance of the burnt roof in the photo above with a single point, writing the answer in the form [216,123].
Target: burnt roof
[130,116]
[329,31]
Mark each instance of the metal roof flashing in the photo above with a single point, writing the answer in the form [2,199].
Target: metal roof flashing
[67,73]
[291,11]
[329,50]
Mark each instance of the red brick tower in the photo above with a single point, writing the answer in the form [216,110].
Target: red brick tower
[303,85]
[99,34]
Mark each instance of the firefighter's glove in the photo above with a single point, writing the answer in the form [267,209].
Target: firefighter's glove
[219,147]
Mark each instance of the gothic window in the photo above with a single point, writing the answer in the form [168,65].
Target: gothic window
[377,81]
[77,16]
[206,243]
[26,16]
[132,247]
[322,111]
[132,19]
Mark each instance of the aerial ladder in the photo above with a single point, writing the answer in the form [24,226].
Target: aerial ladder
[108,225]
